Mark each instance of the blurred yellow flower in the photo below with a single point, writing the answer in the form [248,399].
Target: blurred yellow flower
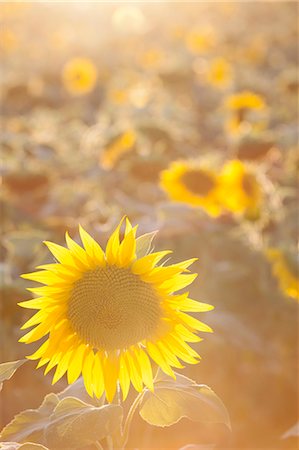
[200,40]
[8,40]
[79,76]
[240,190]
[219,73]
[152,58]
[245,100]
[191,183]
[117,148]
[286,274]
[107,314]
[119,96]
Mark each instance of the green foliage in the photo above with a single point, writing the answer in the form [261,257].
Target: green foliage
[29,425]
[174,399]
[75,424]
[26,446]
[144,244]
[8,369]
[66,423]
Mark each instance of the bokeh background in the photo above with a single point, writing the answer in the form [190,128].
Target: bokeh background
[97,99]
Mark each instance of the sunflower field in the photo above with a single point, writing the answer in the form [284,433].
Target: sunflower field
[149,225]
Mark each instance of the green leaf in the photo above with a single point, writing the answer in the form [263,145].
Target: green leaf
[144,243]
[66,423]
[77,389]
[29,425]
[17,446]
[32,446]
[8,369]
[174,399]
[75,424]
[291,432]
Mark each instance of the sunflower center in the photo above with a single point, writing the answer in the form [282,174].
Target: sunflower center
[111,308]
[198,182]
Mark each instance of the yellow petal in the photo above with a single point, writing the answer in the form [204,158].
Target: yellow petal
[62,366]
[62,254]
[40,351]
[87,368]
[134,370]
[35,319]
[128,226]
[186,334]
[77,252]
[178,282]
[112,247]
[42,362]
[160,274]
[75,365]
[50,290]
[35,303]
[146,368]
[124,377]
[157,356]
[37,333]
[127,249]
[98,376]
[111,372]
[194,323]
[183,303]
[93,249]
[182,350]
[53,362]
[147,263]
[44,277]
[185,264]
[169,356]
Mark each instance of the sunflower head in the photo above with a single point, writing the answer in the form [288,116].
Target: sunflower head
[219,73]
[285,269]
[117,148]
[79,76]
[188,182]
[245,100]
[241,192]
[109,314]
[200,40]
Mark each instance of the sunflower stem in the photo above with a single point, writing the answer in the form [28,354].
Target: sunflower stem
[129,418]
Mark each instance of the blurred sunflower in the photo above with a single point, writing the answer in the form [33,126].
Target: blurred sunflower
[200,40]
[240,190]
[152,58]
[122,144]
[105,313]
[188,182]
[286,272]
[79,76]
[240,106]
[244,100]
[8,40]
[219,73]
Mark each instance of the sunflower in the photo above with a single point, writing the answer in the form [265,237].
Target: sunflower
[108,314]
[245,113]
[240,190]
[119,146]
[188,182]
[219,73]
[286,272]
[79,76]
[245,100]
[200,40]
